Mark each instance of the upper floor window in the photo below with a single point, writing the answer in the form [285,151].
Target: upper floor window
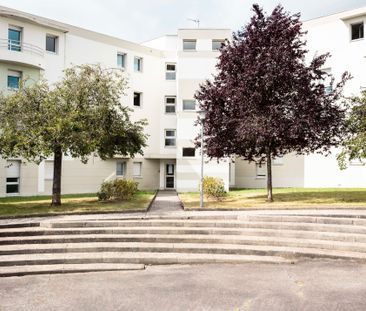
[216,44]
[170,73]
[137,99]
[189,44]
[189,152]
[51,43]
[14,79]
[169,138]
[357,31]
[189,104]
[15,38]
[170,104]
[137,64]
[121,60]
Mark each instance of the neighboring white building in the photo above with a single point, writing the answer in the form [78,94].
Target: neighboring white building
[163,76]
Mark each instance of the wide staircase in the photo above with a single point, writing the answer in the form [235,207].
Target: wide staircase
[131,243]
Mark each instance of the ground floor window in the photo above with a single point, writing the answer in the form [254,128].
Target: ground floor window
[121,168]
[137,169]
[12,176]
[261,170]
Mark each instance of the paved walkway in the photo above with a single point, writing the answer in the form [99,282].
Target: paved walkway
[307,286]
[166,202]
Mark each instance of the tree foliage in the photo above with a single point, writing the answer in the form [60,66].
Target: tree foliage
[78,116]
[354,143]
[265,100]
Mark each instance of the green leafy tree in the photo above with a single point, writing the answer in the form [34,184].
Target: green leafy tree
[354,144]
[78,116]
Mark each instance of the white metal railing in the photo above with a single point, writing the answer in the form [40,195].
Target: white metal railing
[18,46]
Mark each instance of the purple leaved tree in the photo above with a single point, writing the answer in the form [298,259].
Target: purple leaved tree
[266,100]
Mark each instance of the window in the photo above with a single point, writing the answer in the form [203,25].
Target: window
[357,31]
[48,170]
[189,152]
[170,104]
[189,45]
[189,104]
[137,169]
[278,161]
[216,44]
[170,73]
[121,168]
[121,60]
[169,138]
[327,81]
[137,99]
[137,64]
[51,43]
[260,170]
[14,79]
[12,176]
[15,38]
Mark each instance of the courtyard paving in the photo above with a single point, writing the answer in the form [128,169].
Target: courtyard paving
[313,286]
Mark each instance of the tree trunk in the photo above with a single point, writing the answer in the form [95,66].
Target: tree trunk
[269,177]
[57,168]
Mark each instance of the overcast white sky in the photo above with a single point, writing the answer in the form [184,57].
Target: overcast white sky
[141,20]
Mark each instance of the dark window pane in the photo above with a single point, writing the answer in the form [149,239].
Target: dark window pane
[13,82]
[170,67]
[12,188]
[170,109]
[137,99]
[169,141]
[357,31]
[189,152]
[170,182]
[51,44]
[170,100]
[12,179]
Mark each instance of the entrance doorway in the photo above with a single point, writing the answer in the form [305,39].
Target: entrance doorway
[170,176]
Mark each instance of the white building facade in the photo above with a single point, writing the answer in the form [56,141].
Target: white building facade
[163,75]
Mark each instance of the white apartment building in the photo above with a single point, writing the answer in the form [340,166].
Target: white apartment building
[163,75]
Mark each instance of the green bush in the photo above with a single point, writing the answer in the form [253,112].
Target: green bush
[214,188]
[118,189]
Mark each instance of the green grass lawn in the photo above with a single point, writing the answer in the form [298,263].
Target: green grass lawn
[283,198]
[73,203]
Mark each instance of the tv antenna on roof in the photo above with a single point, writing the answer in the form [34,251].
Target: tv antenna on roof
[197,21]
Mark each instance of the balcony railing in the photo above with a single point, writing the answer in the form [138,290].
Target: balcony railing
[18,46]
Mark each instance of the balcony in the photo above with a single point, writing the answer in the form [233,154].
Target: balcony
[21,53]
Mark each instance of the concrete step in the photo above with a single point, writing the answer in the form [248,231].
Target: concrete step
[102,245]
[133,257]
[158,227]
[179,251]
[190,235]
[67,268]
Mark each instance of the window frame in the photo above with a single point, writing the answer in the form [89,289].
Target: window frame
[186,101]
[12,183]
[257,173]
[190,41]
[124,168]
[140,99]
[166,138]
[133,169]
[363,30]
[166,104]
[189,156]
[14,74]
[17,47]
[220,41]
[56,43]
[139,63]
[124,60]
[167,71]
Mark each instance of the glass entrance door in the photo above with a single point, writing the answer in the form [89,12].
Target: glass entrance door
[170,176]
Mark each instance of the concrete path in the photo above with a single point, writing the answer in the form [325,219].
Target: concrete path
[166,202]
[307,286]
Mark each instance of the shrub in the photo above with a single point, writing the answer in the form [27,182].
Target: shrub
[118,189]
[214,188]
